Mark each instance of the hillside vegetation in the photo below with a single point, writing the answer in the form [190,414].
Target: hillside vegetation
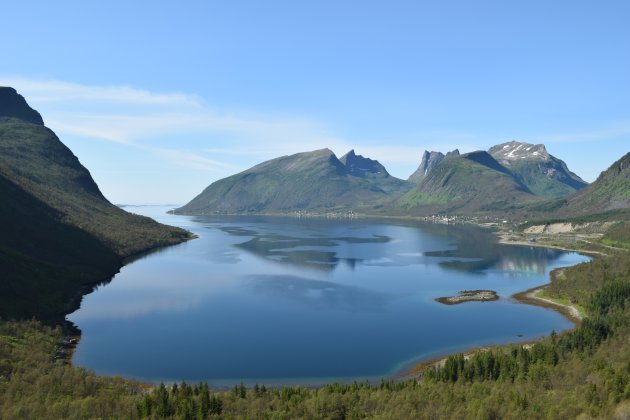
[609,192]
[543,174]
[474,182]
[310,181]
[60,234]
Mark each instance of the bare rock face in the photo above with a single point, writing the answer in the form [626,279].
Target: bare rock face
[429,161]
[358,165]
[514,151]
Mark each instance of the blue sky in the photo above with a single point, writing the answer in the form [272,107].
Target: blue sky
[159,99]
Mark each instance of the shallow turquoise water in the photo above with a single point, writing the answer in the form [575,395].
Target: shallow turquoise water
[295,301]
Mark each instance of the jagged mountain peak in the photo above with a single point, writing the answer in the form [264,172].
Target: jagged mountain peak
[13,105]
[472,182]
[511,151]
[358,165]
[429,161]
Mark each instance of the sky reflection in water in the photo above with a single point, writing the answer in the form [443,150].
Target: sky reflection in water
[283,301]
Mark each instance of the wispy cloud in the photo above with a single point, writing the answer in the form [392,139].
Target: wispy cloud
[60,91]
[201,137]
[189,159]
[137,118]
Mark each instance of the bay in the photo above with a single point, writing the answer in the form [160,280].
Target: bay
[283,301]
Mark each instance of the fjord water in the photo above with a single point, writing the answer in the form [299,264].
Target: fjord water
[305,301]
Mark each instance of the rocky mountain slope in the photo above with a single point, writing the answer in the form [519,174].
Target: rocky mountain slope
[609,193]
[543,174]
[59,232]
[429,161]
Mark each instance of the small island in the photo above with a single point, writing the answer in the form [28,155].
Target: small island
[469,296]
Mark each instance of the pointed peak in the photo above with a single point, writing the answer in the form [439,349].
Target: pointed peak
[13,105]
[429,161]
[358,165]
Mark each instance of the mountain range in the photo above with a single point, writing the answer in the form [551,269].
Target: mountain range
[60,233]
[514,177]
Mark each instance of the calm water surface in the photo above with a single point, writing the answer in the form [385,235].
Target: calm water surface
[294,301]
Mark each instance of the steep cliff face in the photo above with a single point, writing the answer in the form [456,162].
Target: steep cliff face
[429,161]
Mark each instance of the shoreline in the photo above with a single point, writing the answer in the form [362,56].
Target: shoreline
[504,241]
[413,370]
[530,297]
[71,335]
[468,296]
[526,297]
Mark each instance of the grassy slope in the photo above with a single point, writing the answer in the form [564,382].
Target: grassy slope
[59,232]
[606,199]
[470,183]
[33,158]
[313,181]
[611,191]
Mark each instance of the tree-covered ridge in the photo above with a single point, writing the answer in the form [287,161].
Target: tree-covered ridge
[35,386]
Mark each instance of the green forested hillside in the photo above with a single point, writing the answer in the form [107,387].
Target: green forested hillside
[59,233]
[43,261]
